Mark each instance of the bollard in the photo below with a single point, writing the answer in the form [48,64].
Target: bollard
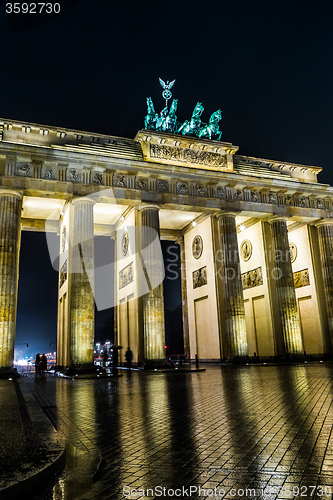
[196,361]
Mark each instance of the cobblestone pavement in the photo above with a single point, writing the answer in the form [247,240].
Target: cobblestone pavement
[264,428]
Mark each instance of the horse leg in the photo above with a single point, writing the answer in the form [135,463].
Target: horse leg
[181,127]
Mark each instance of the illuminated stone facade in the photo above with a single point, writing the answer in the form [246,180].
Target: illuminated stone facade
[238,220]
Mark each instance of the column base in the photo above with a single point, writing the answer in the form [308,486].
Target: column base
[9,372]
[290,358]
[156,364]
[82,369]
[238,360]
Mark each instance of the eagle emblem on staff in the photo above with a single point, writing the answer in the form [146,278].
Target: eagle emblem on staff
[167,92]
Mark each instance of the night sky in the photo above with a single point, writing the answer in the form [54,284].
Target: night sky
[267,65]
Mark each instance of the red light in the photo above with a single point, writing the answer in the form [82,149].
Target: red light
[165,347]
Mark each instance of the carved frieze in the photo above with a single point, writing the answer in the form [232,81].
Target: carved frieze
[255,196]
[252,278]
[23,170]
[162,186]
[320,203]
[119,181]
[186,155]
[304,202]
[200,190]
[238,195]
[63,274]
[73,175]
[182,188]
[272,197]
[49,173]
[141,183]
[220,192]
[126,276]
[301,278]
[288,200]
[199,277]
[97,178]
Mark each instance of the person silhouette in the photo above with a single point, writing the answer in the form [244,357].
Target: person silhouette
[105,357]
[129,357]
[43,363]
[37,364]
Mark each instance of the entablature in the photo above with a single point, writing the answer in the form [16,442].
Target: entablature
[52,167]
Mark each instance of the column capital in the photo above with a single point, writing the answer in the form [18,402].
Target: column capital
[13,192]
[144,206]
[223,214]
[324,222]
[83,199]
[277,218]
[180,240]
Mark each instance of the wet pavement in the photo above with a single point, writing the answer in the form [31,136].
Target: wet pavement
[13,445]
[30,448]
[249,431]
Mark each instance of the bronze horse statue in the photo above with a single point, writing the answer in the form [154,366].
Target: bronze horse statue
[213,127]
[169,123]
[192,127]
[150,118]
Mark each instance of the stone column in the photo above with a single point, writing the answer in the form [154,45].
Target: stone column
[115,291]
[186,334]
[325,236]
[284,280]
[233,301]
[81,265]
[153,301]
[10,240]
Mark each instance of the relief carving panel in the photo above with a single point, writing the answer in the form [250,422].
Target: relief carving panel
[126,276]
[63,274]
[189,156]
[301,278]
[252,278]
[200,277]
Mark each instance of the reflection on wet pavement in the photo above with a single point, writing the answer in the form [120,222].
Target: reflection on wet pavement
[265,428]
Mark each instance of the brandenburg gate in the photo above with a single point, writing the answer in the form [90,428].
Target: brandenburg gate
[255,237]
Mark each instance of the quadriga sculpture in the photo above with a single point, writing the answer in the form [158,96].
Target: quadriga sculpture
[166,121]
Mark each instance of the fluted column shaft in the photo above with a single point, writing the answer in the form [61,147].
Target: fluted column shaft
[81,263]
[233,301]
[186,335]
[325,233]
[153,301]
[10,238]
[287,303]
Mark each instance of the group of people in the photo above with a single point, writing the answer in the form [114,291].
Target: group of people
[40,364]
[114,358]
